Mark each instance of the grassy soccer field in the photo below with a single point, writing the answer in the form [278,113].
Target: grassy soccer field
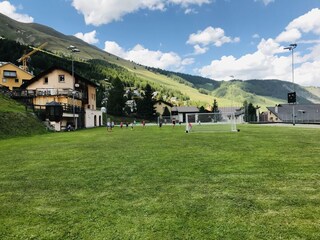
[260,183]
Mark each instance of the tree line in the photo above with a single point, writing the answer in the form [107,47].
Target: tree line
[96,70]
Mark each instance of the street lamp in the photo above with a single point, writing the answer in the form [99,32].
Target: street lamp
[73,49]
[292,95]
[73,110]
[105,109]
[232,95]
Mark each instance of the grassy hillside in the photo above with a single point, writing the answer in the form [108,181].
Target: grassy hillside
[314,91]
[15,121]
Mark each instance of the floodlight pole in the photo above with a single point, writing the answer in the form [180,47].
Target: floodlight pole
[73,110]
[73,49]
[232,109]
[291,48]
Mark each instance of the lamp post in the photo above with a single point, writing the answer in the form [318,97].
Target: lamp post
[73,109]
[292,96]
[105,110]
[232,78]
[73,49]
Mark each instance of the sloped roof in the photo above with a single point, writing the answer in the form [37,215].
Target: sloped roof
[185,109]
[46,72]
[164,102]
[9,63]
[282,111]
[3,63]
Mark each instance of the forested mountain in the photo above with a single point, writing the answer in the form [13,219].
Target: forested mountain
[238,89]
[98,65]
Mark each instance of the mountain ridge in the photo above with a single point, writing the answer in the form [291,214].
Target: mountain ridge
[199,89]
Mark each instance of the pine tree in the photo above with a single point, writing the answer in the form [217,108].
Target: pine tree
[166,112]
[202,109]
[252,115]
[116,100]
[145,106]
[215,109]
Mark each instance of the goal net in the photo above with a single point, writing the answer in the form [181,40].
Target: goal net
[211,122]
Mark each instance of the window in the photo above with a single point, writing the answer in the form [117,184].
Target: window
[16,80]
[46,80]
[61,78]
[10,74]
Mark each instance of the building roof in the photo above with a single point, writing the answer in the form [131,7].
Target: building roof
[3,63]
[164,102]
[185,109]
[282,111]
[9,63]
[46,72]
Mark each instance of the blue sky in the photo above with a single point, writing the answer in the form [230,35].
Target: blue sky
[210,38]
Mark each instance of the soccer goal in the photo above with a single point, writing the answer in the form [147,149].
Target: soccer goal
[211,122]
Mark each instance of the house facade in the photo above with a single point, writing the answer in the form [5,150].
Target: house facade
[74,93]
[12,76]
[160,106]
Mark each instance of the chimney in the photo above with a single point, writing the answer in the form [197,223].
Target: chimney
[276,109]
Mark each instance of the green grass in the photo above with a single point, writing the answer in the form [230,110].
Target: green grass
[259,183]
[8,105]
[16,121]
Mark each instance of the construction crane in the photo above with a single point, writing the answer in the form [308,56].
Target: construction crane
[26,56]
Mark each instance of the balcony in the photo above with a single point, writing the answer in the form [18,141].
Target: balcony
[59,92]
[67,108]
[67,92]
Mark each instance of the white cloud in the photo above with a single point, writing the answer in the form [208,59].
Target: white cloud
[268,62]
[187,61]
[266,2]
[269,47]
[187,3]
[89,37]
[308,74]
[114,48]
[307,23]
[97,12]
[199,50]
[210,35]
[256,35]
[190,11]
[271,61]
[141,55]
[10,10]
[291,35]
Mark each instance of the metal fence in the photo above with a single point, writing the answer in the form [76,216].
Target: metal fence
[301,117]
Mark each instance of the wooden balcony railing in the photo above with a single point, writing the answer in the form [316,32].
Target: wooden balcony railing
[22,93]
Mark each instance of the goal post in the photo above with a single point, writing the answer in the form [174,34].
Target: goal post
[211,122]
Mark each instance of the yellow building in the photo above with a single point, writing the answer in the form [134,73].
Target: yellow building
[160,106]
[76,94]
[12,76]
